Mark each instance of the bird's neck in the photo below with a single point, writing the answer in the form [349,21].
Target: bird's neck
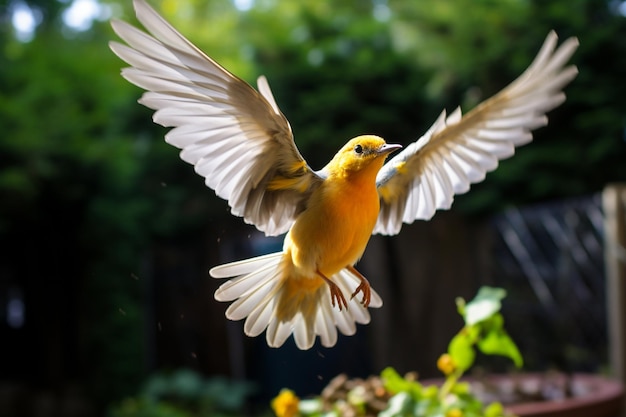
[364,178]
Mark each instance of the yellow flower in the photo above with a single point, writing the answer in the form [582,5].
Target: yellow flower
[455,412]
[286,404]
[446,364]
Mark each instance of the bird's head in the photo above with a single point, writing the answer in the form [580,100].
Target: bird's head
[367,152]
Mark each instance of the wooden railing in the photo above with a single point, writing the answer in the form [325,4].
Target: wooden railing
[614,203]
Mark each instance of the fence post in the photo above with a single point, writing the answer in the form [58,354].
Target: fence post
[614,205]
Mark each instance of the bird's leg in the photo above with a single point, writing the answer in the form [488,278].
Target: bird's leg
[363,287]
[336,296]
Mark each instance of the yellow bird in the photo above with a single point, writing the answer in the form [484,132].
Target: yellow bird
[238,139]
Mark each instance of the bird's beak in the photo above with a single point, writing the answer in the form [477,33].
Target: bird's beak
[388,148]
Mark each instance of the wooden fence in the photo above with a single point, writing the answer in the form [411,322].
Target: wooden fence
[614,201]
[551,258]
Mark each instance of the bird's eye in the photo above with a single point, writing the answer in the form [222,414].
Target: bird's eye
[358,149]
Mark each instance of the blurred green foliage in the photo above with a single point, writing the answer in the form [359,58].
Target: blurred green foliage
[86,179]
[184,393]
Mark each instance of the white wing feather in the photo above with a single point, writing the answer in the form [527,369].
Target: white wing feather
[235,137]
[459,150]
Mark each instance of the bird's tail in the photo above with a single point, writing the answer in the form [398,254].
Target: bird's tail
[268,298]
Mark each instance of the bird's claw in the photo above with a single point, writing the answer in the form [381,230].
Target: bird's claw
[365,288]
[336,296]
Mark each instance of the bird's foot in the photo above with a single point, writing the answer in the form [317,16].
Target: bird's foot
[363,287]
[336,296]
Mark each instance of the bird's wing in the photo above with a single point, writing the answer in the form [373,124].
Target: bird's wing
[459,150]
[235,137]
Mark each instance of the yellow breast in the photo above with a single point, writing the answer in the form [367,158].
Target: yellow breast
[333,231]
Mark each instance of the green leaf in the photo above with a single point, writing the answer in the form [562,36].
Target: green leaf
[494,410]
[486,303]
[461,349]
[395,383]
[461,388]
[426,407]
[430,392]
[494,322]
[498,342]
[399,405]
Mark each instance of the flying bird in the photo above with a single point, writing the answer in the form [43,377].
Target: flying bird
[238,139]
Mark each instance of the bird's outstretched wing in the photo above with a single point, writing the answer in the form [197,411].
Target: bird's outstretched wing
[459,150]
[235,137]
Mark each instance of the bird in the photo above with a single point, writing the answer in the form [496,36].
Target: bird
[237,138]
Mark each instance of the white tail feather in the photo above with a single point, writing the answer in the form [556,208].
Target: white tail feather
[256,288]
[243,267]
[325,326]
[258,320]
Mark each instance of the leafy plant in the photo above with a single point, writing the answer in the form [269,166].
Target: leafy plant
[406,396]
